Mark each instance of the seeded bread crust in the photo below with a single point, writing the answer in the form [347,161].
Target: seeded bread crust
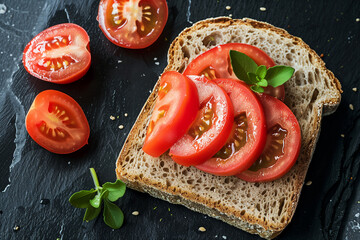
[260,208]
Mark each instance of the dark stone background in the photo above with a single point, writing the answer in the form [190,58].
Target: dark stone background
[328,209]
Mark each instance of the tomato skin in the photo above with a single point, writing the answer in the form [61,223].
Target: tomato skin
[180,99]
[77,50]
[277,112]
[193,151]
[72,127]
[125,35]
[217,60]
[244,101]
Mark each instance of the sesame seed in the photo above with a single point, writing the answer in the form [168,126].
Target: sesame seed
[357,19]
[202,229]
[119,61]
[125,114]
[112,117]
[135,213]
[157,63]
[351,106]
[121,126]
[230,15]
[354,89]
[308,183]
[228,7]
[342,135]
[263,9]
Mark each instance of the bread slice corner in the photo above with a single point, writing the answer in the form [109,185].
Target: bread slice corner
[260,208]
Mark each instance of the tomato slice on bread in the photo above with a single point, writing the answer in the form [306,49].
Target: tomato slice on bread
[211,128]
[59,54]
[282,145]
[132,23]
[215,63]
[175,110]
[248,136]
[57,123]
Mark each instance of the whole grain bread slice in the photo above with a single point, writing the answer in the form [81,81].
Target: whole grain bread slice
[261,208]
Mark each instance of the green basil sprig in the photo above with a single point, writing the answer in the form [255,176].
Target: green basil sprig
[92,200]
[256,76]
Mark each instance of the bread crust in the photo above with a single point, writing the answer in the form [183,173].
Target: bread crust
[191,199]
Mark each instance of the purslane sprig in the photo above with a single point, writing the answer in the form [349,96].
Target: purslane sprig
[256,76]
[92,200]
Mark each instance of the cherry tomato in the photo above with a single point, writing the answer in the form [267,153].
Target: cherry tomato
[175,110]
[211,128]
[215,63]
[132,23]
[59,54]
[248,137]
[282,144]
[57,123]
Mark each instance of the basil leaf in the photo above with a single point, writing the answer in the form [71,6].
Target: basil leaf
[81,199]
[278,75]
[242,64]
[96,201]
[261,71]
[263,83]
[116,190]
[113,216]
[91,213]
[253,79]
[257,89]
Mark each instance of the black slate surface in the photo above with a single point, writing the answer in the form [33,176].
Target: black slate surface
[36,184]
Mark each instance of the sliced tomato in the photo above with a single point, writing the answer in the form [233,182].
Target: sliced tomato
[57,123]
[59,54]
[211,128]
[215,63]
[282,144]
[132,23]
[248,136]
[175,110]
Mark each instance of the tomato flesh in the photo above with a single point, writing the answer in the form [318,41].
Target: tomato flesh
[59,54]
[248,136]
[57,123]
[175,109]
[132,23]
[211,128]
[282,144]
[215,63]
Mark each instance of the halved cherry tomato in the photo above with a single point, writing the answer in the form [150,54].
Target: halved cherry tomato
[57,123]
[132,23]
[282,144]
[248,137]
[215,63]
[211,128]
[175,110]
[59,54]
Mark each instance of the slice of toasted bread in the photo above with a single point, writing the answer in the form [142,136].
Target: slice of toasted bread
[261,208]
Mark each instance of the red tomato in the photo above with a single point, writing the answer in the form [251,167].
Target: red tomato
[248,137]
[175,110]
[211,128]
[132,23]
[57,123]
[59,54]
[215,63]
[282,144]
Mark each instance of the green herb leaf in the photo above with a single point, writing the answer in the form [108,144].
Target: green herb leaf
[278,75]
[116,190]
[242,64]
[96,201]
[253,79]
[263,83]
[257,88]
[91,213]
[113,216]
[261,71]
[81,199]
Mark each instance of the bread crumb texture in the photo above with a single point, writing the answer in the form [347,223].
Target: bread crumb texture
[261,208]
